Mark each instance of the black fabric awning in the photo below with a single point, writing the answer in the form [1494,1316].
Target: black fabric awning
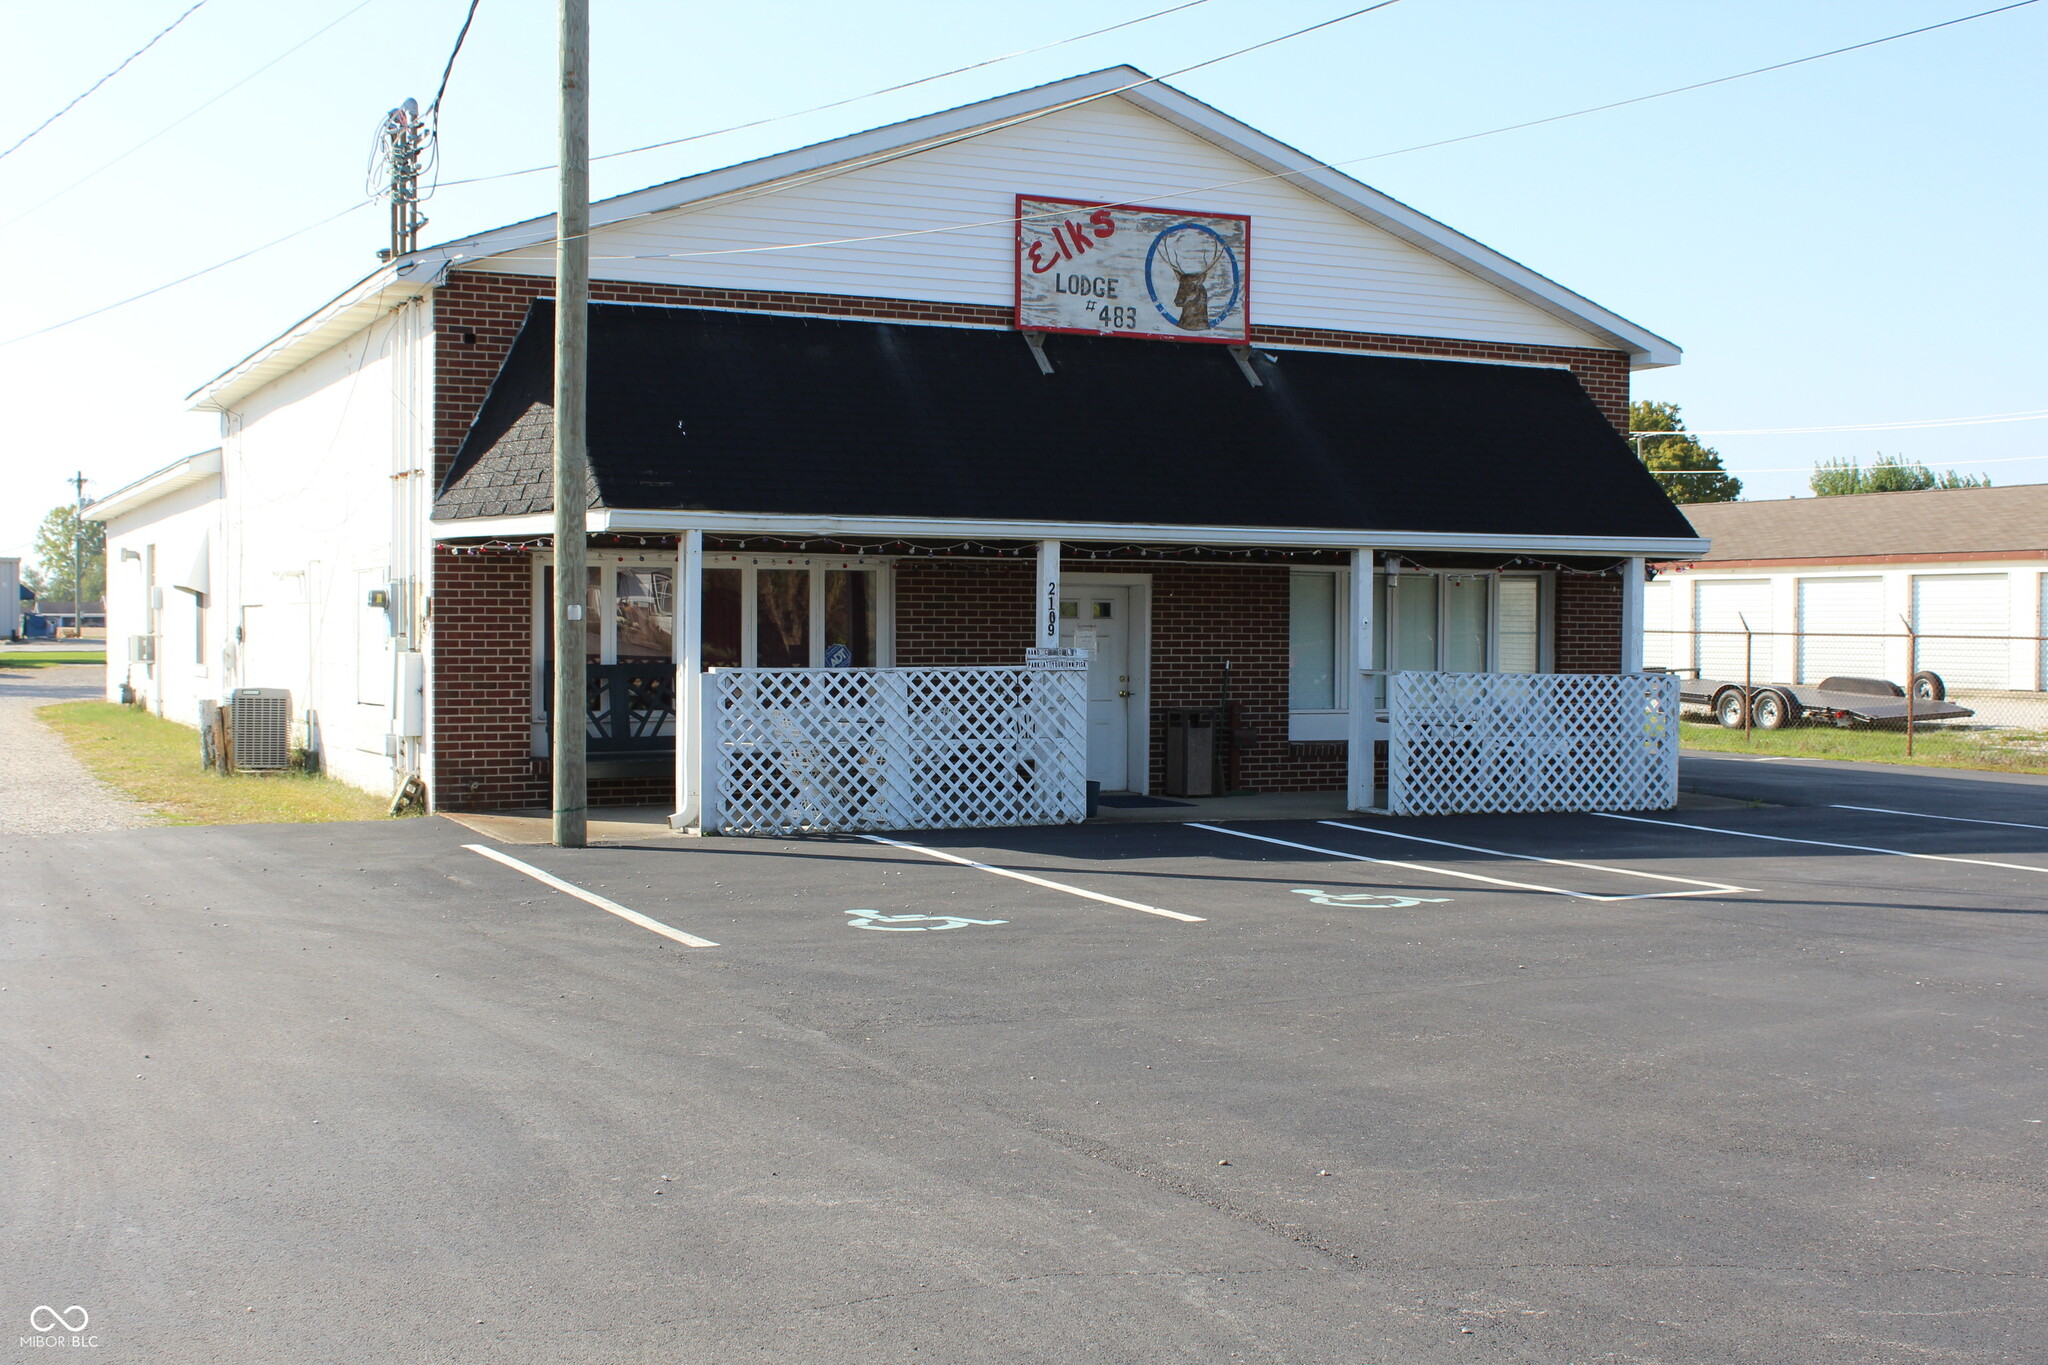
[761,413]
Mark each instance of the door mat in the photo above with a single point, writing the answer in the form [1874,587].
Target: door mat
[1131,800]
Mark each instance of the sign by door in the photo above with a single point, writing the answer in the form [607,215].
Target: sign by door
[1064,659]
[1124,270]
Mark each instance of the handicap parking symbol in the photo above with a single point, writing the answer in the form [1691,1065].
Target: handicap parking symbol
[915,924]
[1368,900]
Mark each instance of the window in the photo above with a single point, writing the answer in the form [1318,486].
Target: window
[759,613]
[775,613]
[1312,629]
[1458,622]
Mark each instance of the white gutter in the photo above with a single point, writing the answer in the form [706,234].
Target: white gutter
[193,469]
[331,324]
[627,521]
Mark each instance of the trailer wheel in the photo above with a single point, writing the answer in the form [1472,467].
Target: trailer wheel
[1773,710]
[1929,687]
[1730,708]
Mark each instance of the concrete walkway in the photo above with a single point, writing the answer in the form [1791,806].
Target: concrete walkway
[43,788]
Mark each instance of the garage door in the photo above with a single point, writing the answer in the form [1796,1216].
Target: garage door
[1973,604]
[1720,611]
[1659,650]
[1833,613]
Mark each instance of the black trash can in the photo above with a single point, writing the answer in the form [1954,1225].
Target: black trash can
[1191,751]
[1094,798]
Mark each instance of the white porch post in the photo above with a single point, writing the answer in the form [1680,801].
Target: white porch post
[1362,728]
[689,721]
[1048,632]
[1632,616]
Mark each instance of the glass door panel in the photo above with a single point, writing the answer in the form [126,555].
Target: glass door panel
[593,613]
[849,618]
[783,620]
[722,630]
[644,604]
[1464,622]
[1413,598]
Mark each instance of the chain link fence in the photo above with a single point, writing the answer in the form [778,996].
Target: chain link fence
[1981,700]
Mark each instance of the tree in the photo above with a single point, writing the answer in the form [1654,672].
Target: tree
[53,550]
[1688,471]
[1889,474]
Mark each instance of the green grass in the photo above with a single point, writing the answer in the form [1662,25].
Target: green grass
[2012,751]
[156,762]
[48,658]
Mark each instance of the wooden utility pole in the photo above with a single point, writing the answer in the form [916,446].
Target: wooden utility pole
[77,481]
[572,318]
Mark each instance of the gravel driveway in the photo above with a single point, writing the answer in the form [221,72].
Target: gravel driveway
[43,789]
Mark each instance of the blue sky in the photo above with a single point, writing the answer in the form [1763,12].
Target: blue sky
[1856,240]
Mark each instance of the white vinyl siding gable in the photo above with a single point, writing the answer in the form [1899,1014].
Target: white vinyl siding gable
[1312,264]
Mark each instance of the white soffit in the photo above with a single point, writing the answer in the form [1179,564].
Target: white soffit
[334,322]
[664,521]
[172,478]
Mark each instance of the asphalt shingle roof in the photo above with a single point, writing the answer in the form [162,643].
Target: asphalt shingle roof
[1934,521]
[754,412]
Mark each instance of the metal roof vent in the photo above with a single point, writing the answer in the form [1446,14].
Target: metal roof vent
[262,720]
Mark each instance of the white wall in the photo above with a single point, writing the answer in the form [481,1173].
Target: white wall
[2022,665]
[1312,264]
[10,597]
[163,581]
[320,508]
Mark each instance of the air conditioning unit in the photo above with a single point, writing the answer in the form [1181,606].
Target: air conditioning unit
[142,649]
[261,718]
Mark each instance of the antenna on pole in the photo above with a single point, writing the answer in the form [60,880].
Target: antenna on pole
[405,145]
[77,481]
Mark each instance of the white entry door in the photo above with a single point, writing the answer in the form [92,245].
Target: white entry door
[1099,619]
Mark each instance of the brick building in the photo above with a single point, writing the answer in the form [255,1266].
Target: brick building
[1251,433]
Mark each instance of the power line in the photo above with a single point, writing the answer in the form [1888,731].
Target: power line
[1277,175]
[1808,469]
[243,256]
[1985,419]
[102,80]
[33,208]
[850,99]
[453,53]
[780,185]
[981,130]
[1697,85]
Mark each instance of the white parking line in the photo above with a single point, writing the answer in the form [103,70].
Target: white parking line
[1449,871]
[1922,815]
[1712,888]
[613,907]
[1035,881]
[1822,843]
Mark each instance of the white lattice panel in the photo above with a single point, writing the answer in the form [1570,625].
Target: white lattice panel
[1462,743]
[870,749]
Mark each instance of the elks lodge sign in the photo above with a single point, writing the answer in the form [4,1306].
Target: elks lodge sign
[1130,271]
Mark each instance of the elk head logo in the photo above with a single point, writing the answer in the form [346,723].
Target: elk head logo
[1194,254]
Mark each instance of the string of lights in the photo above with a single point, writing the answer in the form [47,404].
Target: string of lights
[984,550]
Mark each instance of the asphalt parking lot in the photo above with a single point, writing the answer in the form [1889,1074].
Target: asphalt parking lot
[1738,1085]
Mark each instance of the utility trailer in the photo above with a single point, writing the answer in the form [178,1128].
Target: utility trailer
[1839,701]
